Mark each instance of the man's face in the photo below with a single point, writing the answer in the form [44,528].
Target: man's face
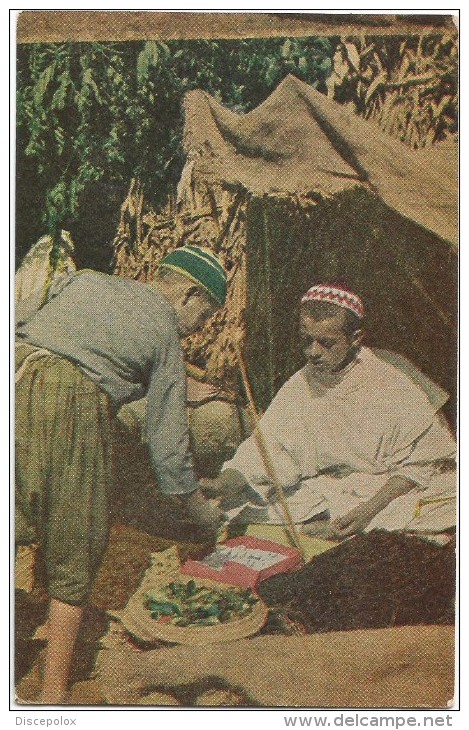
[193,311]
[324,342]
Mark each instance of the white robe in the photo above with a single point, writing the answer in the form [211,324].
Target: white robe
[335,442]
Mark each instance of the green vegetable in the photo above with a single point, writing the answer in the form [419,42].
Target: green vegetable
[165,609]
[192,605]
[191,588]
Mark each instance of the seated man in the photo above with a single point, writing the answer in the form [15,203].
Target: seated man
[356,442]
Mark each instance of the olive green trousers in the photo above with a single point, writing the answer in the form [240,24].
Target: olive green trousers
[63,470]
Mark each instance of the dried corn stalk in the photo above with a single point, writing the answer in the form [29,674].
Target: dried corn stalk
[409,86]
[205,215]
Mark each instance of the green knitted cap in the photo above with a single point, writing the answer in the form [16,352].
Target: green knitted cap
[200,265]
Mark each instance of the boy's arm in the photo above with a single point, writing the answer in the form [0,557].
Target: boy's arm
[360,517]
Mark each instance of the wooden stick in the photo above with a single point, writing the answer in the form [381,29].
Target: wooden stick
[264,452]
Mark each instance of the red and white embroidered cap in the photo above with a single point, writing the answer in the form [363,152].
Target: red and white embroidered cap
[335,295]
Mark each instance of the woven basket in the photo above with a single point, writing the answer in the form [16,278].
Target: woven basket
[138,622]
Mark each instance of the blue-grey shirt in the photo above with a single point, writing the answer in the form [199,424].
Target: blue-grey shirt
[123,335]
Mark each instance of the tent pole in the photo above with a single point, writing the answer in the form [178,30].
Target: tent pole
[267,253]
[268,463]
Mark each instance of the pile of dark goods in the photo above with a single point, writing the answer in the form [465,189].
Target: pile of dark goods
[377,580]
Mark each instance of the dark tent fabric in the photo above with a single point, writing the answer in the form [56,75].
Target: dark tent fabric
[406,276]
[300,141]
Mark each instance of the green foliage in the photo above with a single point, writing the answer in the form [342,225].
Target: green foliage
[91,116]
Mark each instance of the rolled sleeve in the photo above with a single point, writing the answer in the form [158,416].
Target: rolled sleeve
[167,424]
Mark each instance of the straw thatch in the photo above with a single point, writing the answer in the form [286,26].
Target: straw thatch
[213,216]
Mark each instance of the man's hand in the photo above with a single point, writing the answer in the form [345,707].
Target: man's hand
[342,527]
[212,487]
[229,484]
[205,512]
[350,524]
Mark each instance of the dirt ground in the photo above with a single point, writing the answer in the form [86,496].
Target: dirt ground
[128,557]
[418,590]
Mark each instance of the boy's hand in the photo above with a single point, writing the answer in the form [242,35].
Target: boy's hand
[354,521]
[319,528]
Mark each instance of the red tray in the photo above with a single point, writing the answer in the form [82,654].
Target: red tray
[277,559]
